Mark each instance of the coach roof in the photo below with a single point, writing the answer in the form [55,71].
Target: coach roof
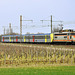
[26,35]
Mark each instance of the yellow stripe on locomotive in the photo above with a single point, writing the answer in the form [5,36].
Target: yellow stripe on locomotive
[51,35]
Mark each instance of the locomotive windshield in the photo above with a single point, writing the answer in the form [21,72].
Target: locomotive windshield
[71,33]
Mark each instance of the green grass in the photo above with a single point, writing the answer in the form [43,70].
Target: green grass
[50,70]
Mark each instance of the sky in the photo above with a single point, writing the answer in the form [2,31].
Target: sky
[36,10]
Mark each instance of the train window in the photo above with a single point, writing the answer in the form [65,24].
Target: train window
[27,37]
[6,37]
[72,33]
[14,37]
[31,37]
[11,37]
[17,37]
[39,37]
[48,37]
[60,34]
[36,37]
[65,36]
[20,37]
[42,37]
[55,37]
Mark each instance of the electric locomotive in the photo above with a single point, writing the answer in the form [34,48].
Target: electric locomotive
[65,36]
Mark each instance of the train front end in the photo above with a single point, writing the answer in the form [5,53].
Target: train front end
[72,36]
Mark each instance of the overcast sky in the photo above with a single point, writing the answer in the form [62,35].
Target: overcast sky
[36,10]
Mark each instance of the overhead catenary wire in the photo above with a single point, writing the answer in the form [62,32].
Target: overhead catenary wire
[34,26]
[69,22]
[51,22]
[44,24]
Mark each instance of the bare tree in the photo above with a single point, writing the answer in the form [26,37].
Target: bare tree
[57,29]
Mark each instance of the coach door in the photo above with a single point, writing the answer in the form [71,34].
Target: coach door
[28,38]
[69,37]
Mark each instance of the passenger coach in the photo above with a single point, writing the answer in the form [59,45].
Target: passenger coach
[33,38]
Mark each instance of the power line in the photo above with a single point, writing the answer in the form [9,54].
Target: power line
[32,26]
[51,22]
[69,22]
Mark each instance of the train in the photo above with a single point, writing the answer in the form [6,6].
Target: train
[64,36]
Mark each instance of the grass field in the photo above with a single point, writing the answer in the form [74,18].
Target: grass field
[49,70]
